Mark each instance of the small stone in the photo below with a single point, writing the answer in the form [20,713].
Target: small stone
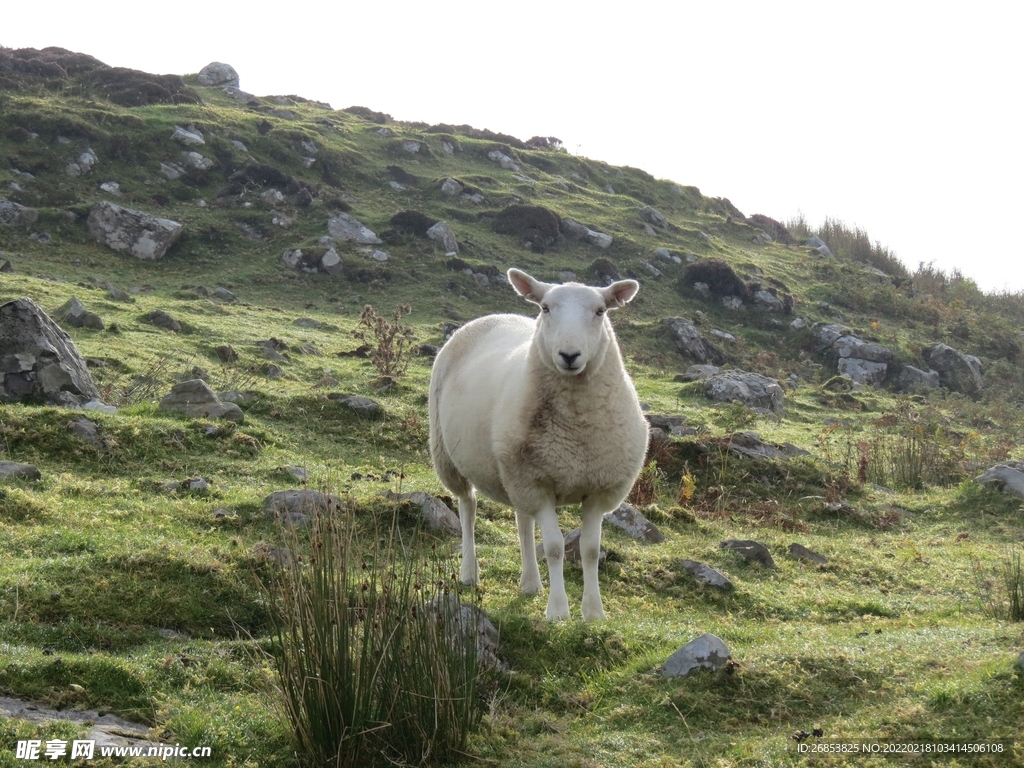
[297,506]
[706,652]
[754,551]
[705,574]
[161,319]
[630,520]
[437,515]
[803,553]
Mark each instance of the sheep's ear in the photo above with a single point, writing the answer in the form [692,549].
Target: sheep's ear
[620,293]
[528,287]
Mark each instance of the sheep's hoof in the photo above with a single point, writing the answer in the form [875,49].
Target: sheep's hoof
[470,574]
[592,615]
[558,612]
[530,586]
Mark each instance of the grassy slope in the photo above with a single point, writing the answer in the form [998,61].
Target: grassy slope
[887,641]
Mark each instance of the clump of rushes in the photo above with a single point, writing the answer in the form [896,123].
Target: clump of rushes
[1002,588]
[369,669]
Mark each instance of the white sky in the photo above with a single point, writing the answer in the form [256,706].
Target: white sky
[903,118]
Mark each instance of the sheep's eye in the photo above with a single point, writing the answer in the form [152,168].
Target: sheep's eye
[600,311]
[545,308]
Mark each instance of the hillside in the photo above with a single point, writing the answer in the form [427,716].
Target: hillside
[123,593]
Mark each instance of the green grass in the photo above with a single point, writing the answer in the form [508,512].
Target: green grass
[891,640]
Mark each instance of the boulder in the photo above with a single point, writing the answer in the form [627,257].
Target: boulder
[363,407]
[958,372]
[629,519]
[344,227]
[16,215]
[74,313]
[451,187]
[653,217]
[442,233]
[437,515]
[86,431]
[161,319]
[463,616]
[1007,477]
[862,371]
[196,400]
[819,245]
[698,373]
[911,378]
[38,360]
[133,232]
[767,302]
[855,347]
[13,470]
[188,136]
[706,652]
[750,445]
[751,389]
[297,506]
[689,342]
[503,160]
[218,73]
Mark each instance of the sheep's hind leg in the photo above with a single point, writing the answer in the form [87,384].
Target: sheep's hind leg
[467,515]
[590,551]
[529,582]
[554,549]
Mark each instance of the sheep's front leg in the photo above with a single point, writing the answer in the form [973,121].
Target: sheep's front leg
[554,550]
[590,551]
[529,583]
[470,573]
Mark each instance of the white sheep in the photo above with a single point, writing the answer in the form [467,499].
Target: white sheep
[538,414]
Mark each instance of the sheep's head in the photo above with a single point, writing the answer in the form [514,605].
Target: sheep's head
[573,330]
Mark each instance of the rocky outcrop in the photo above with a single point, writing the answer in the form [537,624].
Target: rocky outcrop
[38,360]
[864,362]
[581,232]
[750,389]
[689,342]
[914,378]
[442,233]
[133,232]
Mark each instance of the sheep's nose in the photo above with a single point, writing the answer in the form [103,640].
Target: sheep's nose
[569,359]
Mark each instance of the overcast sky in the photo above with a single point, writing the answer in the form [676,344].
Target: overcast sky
[902,118]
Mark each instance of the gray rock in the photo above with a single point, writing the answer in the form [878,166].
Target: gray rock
[171,171]
[1007,477]
[698,373]
[107,731]
[363,407]
[705,574]
[451,187]
[197,161]
[344,227]
[958,372]
[653,217]
[862,371]
[442,233]
[853,346]
[503,160]
[766,302]
[754,551]
[223,294]
[133,232]
[98,406]
[689,342]
[196,400]
[629,519]
[706,652]
[86,431]
[218,73]
[911,377]
[751,389]
[581,232]
[331,263]
[16,215]
[733,303]
[798,324]
[412,147]
[437,515]
[297,506]
[827,335]
[188,137]
[38,360]
[750,445]
[13,470]
[461,617]
[161,319]
[803,553]
[819,245]
[74,313]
